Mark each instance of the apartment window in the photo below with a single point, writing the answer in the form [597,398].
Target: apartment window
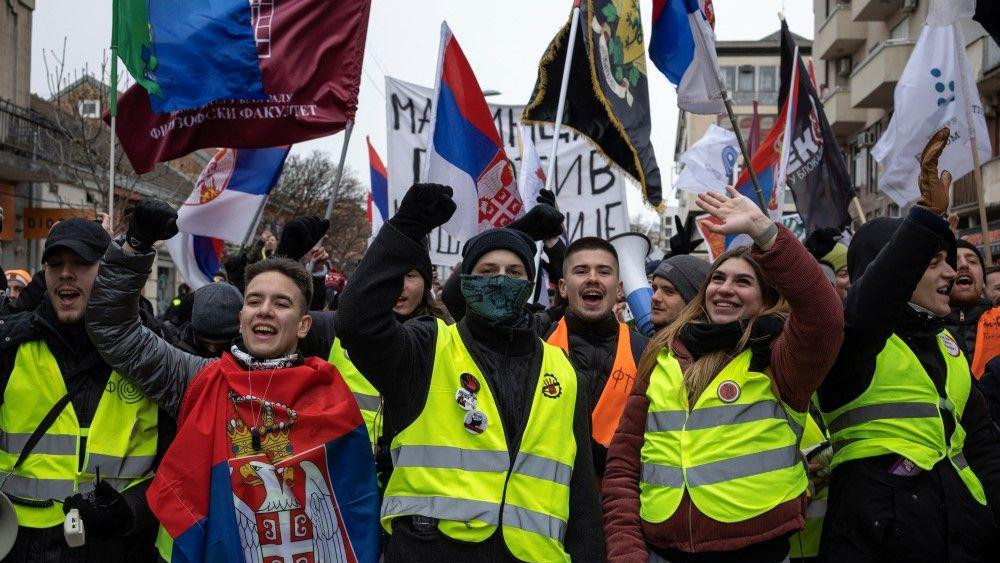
[90,108]
[729,74]
[901,30]
[768,79]
[861,168]
[746,77]
[893,210]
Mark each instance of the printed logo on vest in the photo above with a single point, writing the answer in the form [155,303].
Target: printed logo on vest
[950,345]
[729,391]
[476,422]
[551,387]
[469,382]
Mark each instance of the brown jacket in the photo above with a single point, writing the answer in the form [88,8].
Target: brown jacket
[800,358]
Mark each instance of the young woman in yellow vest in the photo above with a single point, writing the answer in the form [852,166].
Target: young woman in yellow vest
[916,464]
[492,459]
[705,465]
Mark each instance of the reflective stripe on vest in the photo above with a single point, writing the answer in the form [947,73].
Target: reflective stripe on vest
[368,398]
[470,481]
[736,452]
[901,412]
[608,411]
[805,543]
[121,440]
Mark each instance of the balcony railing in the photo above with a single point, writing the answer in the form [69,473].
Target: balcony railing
[27,134]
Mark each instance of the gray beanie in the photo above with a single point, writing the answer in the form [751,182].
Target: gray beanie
[216,311]
[685,272]
[499,239]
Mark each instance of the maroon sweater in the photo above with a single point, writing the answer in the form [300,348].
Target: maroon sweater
[800,358]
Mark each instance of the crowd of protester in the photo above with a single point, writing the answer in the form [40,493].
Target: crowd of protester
[828,401]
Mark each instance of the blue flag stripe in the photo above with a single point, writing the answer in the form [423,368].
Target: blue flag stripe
[458,141]
[257,170]
[671,44]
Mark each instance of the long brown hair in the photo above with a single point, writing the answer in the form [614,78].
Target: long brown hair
[700,372]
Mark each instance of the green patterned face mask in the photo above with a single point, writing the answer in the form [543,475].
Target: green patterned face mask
[498,299]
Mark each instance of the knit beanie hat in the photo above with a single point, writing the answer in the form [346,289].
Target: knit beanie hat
[685,272]
[836,258]
[216,311]
[962,243]
[499,239]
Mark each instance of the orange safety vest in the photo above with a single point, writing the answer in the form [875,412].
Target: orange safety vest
[608,411]
[987,341]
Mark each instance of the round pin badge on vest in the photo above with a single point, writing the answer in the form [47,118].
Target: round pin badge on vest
[729,391]
[465,399]
[476,422]
[469,382]
[950,345]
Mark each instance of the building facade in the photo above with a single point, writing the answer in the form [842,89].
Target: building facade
[861,48]
[54,158]
[751,70]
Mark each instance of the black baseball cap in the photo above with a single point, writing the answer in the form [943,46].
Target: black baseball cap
[84,237]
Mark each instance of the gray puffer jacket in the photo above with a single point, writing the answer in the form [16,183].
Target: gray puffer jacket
[155,366]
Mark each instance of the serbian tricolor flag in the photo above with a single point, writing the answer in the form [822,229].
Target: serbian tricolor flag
[682,46]
[197,258]
[230,191]
[270,465]
[464,149]
[378,197]
[769,165]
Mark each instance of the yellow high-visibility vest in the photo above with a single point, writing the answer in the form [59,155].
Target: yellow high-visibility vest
[368,398]
[452,462]
[120,442]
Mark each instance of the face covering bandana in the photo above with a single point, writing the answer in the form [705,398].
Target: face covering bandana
[498,299]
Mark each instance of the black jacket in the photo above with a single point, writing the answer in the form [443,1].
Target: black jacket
[963,322]
[398,359]
[78,359]
[930,516]
[592,349]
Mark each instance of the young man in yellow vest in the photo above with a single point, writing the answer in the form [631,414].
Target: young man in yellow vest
[102,425]
[916,462]
[604,351]
[492,458]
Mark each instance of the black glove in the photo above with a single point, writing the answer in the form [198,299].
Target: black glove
[541,223]
[547,197]
[152,220]
[822,241]
[424,208]
[104,511]
[681,242]
[300,235]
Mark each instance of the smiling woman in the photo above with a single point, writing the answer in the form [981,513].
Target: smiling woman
[726,385]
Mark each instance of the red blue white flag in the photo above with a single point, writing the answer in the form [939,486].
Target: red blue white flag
[378,197]
[229,191]
[197,258]
[464,149]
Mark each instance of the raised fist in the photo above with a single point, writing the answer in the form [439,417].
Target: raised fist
[934,188]
[152,220]
[300,235]
[424,208]
[541,223]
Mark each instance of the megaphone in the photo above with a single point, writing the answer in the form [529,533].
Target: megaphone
[632,249]
[8,525]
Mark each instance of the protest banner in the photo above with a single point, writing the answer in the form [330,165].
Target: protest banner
[591,194]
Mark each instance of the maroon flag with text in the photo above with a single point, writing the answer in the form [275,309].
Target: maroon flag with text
[310,54]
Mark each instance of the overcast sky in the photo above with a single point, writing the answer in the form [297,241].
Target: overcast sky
[503,42]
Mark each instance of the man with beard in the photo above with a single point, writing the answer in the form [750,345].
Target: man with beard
[967,301]
[604,352]
[63,433]
[675,282]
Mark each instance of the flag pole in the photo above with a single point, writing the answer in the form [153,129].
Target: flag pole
[340,169]
[253,224]
[856,203]
[570,47]
[977,174]
[739,135]
[114,111]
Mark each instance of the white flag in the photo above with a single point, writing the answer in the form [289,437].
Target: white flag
[937,89]
[708,164]
[531,178]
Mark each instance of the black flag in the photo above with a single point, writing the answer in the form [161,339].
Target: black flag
[988,16]
[608,96]
[817,173]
